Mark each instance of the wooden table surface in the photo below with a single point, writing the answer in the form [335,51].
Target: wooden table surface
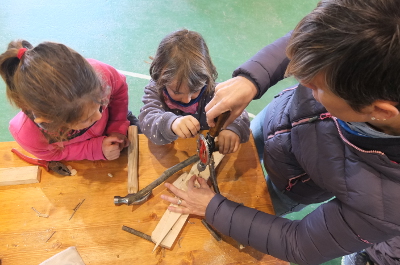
[95,229]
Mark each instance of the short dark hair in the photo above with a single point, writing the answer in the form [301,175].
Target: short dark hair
[183,56]
[356,44]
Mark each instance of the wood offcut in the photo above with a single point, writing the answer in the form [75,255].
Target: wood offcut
[19,175]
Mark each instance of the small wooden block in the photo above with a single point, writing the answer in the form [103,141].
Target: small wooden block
[19,175]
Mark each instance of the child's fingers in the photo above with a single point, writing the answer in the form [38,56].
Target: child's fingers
[195,125]
[222,145]
[183,132]
[112,139]
[112,154]
[235,146]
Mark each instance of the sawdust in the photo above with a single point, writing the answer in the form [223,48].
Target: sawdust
[218,258]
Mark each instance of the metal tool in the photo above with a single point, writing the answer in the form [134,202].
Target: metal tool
[137,233]
[142,195]
[56,166]
[205,147]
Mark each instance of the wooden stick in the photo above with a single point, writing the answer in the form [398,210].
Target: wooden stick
[133,159]
[172,223]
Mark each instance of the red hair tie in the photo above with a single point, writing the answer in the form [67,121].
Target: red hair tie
[21,52]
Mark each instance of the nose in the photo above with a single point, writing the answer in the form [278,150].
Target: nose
[186,98]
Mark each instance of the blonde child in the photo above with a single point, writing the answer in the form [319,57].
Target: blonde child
[72,108]
[183,82]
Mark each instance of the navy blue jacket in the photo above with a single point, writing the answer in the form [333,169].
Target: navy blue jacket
[310,158]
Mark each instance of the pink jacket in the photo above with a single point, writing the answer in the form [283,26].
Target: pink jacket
[88,145]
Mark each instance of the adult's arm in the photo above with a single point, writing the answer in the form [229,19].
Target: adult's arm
[330,231]
[250,81]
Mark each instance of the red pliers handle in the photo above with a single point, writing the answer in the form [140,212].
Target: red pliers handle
[31,160]
[56,166]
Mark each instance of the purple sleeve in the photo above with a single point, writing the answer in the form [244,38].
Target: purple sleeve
[155,122]
[241,126]
[267,67]
[322,235]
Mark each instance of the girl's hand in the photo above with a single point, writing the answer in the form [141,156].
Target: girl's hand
[228,142]
[194,201]
[120,136]
[234,95]
[186,126]
[111,147]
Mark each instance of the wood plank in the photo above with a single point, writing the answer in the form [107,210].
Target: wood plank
[133,159]
[19,175]
[169,227]
[169,219]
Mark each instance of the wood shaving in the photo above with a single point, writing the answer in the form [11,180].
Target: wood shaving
[110,175]
[73,171]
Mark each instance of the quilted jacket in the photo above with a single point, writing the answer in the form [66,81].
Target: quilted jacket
[310,158]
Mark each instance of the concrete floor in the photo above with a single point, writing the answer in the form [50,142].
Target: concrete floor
[124,33]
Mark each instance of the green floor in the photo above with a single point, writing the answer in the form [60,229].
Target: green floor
[124,33]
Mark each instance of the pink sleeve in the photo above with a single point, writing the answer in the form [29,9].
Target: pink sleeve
[89,145]
[30,138]
[118,105]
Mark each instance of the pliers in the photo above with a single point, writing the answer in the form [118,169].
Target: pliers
[56,166]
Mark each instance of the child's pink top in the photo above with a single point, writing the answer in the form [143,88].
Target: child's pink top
[88,145]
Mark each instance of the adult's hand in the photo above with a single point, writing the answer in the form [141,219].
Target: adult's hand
[234,95]
[194,200]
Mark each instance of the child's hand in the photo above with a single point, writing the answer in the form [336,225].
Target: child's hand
[111,147]
[186,126]
[228,142]
[121,137]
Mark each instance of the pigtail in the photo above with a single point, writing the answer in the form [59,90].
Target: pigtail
[9,63]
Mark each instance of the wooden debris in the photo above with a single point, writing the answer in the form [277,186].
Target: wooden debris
[76,208]
[50,236]
[40,214]
[73,171]
[179,242]
[19,175]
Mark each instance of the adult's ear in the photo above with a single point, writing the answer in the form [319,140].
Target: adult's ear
[384,109]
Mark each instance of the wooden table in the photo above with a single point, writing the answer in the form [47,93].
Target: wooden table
[95,229]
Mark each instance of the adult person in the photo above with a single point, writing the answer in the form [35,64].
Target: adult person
[334,136]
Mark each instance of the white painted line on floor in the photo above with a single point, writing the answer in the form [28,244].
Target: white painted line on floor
[134,74]
[251,115]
